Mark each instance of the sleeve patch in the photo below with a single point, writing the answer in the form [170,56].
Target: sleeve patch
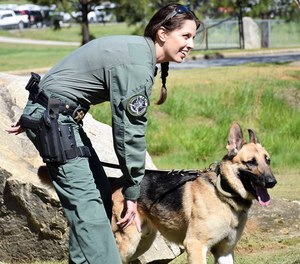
[137,105]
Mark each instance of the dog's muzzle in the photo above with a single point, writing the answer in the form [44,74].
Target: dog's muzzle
[269,181]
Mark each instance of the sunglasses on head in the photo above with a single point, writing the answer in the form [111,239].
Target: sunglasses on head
[180,9]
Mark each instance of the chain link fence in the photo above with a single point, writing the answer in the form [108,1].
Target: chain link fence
[224,34]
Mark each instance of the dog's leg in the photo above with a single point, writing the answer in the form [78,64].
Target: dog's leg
[224,259]
[196,251]
[127,243]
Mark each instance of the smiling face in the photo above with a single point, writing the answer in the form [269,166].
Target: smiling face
[175,45]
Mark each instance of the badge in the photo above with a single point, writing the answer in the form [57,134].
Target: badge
[137,105]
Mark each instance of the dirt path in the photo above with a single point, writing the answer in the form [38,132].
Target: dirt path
[37,42]
[281,218]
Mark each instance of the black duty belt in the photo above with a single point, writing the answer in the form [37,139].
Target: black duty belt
[37,95]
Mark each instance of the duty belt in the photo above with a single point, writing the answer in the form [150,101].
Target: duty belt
[37,95]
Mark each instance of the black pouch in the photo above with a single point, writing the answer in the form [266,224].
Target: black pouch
[49,142]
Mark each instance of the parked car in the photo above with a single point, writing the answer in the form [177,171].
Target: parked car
[10,19]
[104,12]
[35,18]
[92,17]
[34,13]
[98,14]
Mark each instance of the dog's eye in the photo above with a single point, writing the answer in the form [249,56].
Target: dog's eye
[252,162]
[268,161]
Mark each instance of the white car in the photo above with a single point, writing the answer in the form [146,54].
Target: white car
[11,20]
[92,17]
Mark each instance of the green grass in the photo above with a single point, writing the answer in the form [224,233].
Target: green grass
[71,33]
[283,255]
[203,109]
[255,247]
[21,57]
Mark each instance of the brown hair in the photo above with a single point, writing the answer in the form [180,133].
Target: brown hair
[162,18]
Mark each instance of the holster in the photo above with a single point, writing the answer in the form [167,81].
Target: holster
[55,142]
[49,139]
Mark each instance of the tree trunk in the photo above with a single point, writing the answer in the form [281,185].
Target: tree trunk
[85,23]
[265,31]
[240,23]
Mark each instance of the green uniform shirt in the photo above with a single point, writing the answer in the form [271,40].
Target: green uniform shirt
[119,69]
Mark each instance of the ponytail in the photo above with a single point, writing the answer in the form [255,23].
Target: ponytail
[164,74]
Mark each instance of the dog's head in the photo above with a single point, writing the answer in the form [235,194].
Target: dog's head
[247,166]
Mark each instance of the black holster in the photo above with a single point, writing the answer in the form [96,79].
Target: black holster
[50,139]
[55,142]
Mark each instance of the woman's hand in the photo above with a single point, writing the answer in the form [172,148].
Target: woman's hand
[131,214]
[15,129]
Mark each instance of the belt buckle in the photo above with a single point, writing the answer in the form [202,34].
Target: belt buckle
[78,114]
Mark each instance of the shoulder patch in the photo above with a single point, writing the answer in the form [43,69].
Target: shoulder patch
[137,105]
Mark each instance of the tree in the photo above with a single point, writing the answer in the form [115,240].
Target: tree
[84,6]
[138,12]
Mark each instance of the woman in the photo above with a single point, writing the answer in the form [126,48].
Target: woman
[119,69]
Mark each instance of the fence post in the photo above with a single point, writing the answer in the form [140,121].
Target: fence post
[206,38]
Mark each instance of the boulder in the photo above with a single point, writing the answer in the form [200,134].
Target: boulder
[33,226]
[251,34]
[32,223]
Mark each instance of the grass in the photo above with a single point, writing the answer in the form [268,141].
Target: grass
[20,57]
[255,247]
[285,255]
[71,33]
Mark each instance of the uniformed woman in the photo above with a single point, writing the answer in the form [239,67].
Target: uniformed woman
[119,69]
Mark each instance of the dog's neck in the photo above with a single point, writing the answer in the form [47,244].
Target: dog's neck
[223,187]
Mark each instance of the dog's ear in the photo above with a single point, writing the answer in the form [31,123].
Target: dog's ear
[235,140]
[252,136]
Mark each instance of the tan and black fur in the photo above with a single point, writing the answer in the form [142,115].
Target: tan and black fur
[201,210]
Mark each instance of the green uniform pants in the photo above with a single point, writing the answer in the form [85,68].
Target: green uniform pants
[78,184]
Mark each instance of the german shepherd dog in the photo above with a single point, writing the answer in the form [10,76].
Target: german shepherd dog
[201,210]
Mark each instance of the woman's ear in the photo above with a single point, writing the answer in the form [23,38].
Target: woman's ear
[162,34]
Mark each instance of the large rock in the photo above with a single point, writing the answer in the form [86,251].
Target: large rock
[251,34]
[32,223]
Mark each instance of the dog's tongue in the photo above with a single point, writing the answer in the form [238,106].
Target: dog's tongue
[263,196]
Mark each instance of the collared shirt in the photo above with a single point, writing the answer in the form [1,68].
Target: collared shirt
[119,69]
